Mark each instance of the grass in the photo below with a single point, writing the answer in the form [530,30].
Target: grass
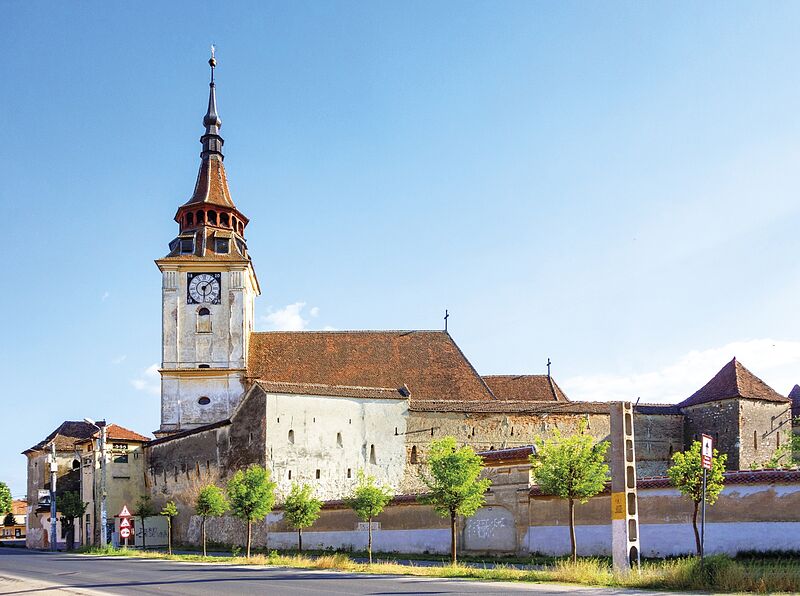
[720,573]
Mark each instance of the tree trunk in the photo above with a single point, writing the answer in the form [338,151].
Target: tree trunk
[573,543]
[453,559]
[300,539]
[70,536]
[249,534]
[369,540]
[694,525]
[144,540]
[203,534]
[169,535]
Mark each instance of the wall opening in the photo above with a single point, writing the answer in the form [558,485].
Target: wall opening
[414,454]
[290,474]
[204,366]
[318,474]
[372,458]
[204,401]
[349,473]
[76,463]
[339,439]
[755,439]
[291,436]
[204,320]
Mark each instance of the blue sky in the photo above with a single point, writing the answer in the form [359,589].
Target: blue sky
[610,185]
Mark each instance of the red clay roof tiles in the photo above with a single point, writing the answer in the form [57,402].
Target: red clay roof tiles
[732,381]
[525,388]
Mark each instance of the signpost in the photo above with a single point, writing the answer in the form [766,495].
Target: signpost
[125,527]
[706,461]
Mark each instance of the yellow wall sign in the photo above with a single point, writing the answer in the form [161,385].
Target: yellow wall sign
[618,506]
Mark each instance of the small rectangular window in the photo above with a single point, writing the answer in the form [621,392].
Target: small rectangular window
[222,246]
[318,473]
[121,459]
[187,245]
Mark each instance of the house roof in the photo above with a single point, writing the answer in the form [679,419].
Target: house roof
[732,381]
[119,433]
[428,363]
[794,395]
[525,388]
[512,455]
[516,407]
[19,507]
[334,390]
[65,436]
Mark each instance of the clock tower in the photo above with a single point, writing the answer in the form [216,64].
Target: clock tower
[208,292]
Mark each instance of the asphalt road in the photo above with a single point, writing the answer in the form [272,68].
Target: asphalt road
[30,572]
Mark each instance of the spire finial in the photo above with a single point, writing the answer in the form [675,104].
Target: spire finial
[212,142]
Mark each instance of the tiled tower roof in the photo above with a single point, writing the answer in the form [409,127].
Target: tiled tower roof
[732,381]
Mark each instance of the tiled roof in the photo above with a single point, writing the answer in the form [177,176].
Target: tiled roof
[732,381]
[429,363]
[524,388]
[517,407]
[19,507]
[333,390]
[505,456]
[120,433]
[65,436]
[662,409]
[212,185]
[191,431]
[794,395]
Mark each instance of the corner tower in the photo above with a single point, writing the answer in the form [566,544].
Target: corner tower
[208,292]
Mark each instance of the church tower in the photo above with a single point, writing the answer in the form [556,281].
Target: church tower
[208,292]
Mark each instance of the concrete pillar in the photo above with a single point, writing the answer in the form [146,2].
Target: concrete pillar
[624,504]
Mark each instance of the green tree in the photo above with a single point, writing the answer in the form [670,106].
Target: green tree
[686,474]
[570,467]
[452,476]
[70,506]
[5,498]
[251,494]
[9,519]
[301,509]
[785,456]
[210,502]
[368,500]
[144,509]
[169,511]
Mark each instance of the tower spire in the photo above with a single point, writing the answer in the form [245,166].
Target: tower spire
[212,142]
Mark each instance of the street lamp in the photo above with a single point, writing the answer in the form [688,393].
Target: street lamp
[103,513]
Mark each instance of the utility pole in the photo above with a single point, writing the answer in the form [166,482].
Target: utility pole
[103,491]
[53,476]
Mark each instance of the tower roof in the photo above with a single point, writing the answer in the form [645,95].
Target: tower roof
[794,395]
[732,381]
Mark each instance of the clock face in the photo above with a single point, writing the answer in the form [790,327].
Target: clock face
[203,288]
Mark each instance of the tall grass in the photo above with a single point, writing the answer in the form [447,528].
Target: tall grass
[719,573]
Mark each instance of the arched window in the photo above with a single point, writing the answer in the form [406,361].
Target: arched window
[339,439]
[291,436]
[414,454]
[204,320]
[76,463]
[223,219]
[200,218]
[212,218]
[190,219]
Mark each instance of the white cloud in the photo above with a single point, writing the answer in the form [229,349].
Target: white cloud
[776,362]
[119,359]
[105,296]
[149,381]
[329,328]
[292,317]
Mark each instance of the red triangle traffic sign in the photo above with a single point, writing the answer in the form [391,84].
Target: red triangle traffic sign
[124,512]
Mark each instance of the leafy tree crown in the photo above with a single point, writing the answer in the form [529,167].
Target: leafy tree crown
[170,509]
[453,479]
[368,499]
[5,498]
[301,507]
[211,502]
[686,474]
[9,519]
[570,467]
[144,507]
[70,505]
[251,493]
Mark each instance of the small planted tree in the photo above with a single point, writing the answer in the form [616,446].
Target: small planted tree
[686,474]
[5,498]
[301,509]
[144,509]
[452,476]
[367,501]
[251,494]
[70,506]
[210,503]
[572,468]
[169,511]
